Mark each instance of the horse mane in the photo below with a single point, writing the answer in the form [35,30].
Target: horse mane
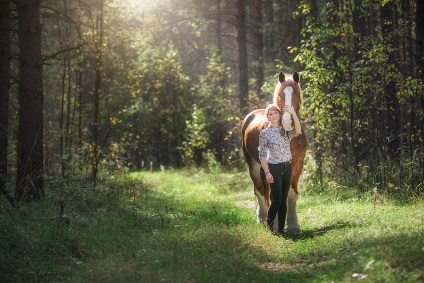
[289,81]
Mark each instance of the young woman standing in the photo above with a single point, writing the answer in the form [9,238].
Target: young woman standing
[275,156]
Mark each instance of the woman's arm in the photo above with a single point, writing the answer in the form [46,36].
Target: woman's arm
[268,175]
[263,148]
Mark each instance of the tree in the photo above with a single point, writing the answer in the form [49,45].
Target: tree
[214,114]
[5,24]
[268,30]
[258,49]
[30,171]
[393,125]
[359,72]
[98,44]
[65,115]
[242,56]
[419,34]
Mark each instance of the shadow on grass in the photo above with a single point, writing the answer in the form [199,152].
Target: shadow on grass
[312,233]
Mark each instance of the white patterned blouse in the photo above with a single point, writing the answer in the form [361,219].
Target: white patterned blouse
[273,146]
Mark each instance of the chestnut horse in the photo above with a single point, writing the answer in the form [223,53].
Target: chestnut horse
[287,92]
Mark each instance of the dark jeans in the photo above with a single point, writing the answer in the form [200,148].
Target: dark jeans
[279,191]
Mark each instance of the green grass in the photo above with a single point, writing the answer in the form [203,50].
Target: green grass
[191,226]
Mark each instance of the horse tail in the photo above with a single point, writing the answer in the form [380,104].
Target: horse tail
[246,122]
[266,187]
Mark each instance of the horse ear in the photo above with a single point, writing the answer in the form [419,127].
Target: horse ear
[296,77]
[281,77]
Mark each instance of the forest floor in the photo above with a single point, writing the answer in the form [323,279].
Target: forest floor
[192,226]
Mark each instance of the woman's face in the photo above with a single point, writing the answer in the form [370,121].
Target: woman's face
[274,116]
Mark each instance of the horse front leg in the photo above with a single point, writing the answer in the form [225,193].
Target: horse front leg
[293,226]
[292,222]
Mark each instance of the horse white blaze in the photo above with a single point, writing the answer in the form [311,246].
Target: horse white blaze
[287,122]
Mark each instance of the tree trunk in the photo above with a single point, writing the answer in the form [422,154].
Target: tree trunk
[97,91]
[4,92]
[420,37]
[258,49]
[242,57]
[269,33]
[30,173]
[66,90]
[392,103]
[79,74]
[219,31]
[359,22]
[420,72]
[406,67]
[333,19]
[219,27]
[314,9]
[356,132]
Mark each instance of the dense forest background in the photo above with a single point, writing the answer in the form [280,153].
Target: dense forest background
[91,87]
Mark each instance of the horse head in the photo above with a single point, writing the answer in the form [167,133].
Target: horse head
[287,93]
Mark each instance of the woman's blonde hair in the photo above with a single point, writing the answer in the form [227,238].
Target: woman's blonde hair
[271,107]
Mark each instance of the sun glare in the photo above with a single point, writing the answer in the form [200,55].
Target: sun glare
[142,4]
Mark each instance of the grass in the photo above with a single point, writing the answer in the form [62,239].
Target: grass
[192,226]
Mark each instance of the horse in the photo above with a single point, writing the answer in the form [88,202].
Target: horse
[287,92]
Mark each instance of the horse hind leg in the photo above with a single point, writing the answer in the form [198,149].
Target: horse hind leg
[261,206]
[262,199]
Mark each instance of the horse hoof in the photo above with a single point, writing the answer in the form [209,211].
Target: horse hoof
[293,231]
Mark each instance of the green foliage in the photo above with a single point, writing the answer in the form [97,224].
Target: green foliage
[212,127]
[154,120]
[355,99]
[196,136]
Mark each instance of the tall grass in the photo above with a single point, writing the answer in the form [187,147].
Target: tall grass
[193,226]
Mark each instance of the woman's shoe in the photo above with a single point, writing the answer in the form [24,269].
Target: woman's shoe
[281,233]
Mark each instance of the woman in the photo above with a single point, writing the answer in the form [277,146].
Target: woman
[275,156]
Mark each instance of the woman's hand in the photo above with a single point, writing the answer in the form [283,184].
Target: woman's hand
[269,178]
[289,109]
